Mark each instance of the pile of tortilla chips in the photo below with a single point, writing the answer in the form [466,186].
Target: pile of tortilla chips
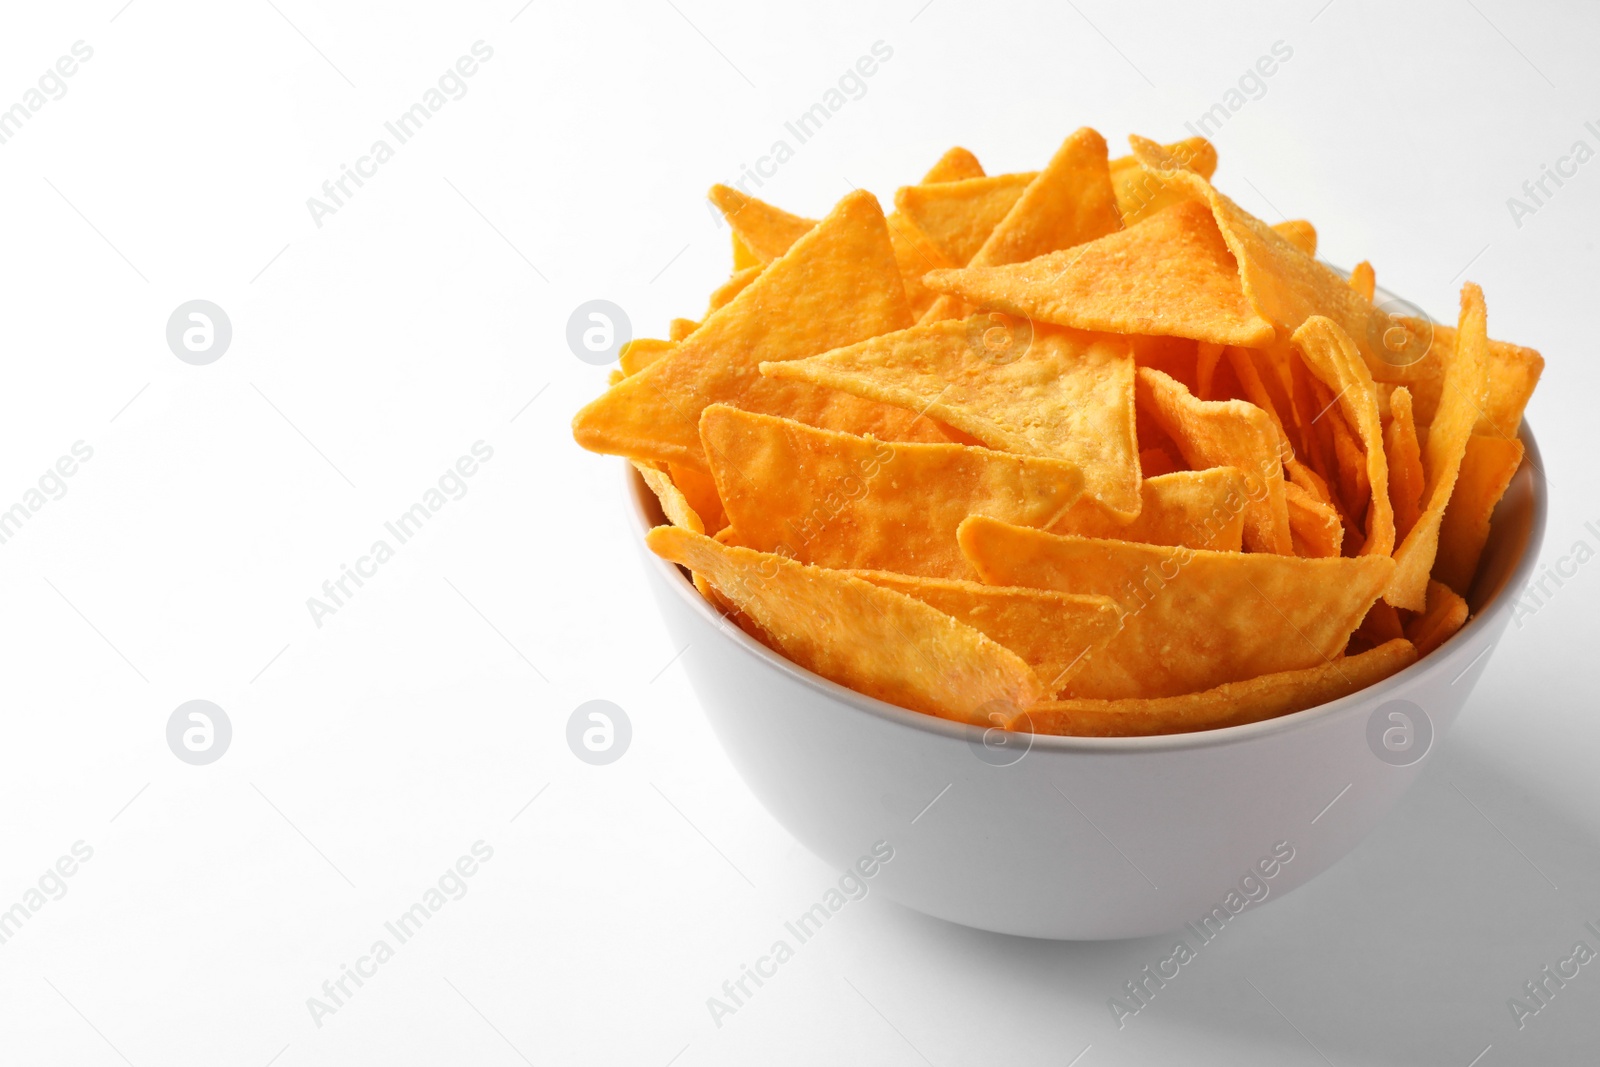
[1089,450]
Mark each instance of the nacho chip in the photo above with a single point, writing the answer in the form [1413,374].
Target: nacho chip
[678,329]
[1299,233]
[1334,359]
[640,352]
[1198,509]
[1052,632]
[1512,372]
[876,641]
[959,216]
[915,255]
[837,285]
[1191,619]
[1059,393]
[701,493]
[1486,471]
[1171,276]
[1460,402]
[1229,704]
[838,500]
[674,505]
[1227,433]
[1142,193]
[1364,280]
[732,287]
[1381,626]
[743,258]
[1314,525]
[766,231]
[1405,463]
[1444,615]
[953,166]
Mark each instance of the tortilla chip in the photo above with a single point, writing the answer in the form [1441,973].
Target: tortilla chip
[838,500]
[640,352]
[732,287]
[1227,433]
[959,216]
[1229,704]
[953,166]
[1465,384]
[1191,619]
[1171,276]
[1198,509]
[1052,632]
[766,231]
[1142,193]
[1405,463]
[1060,394]
[701,493]
[1444,615]
[1486,471]
[1281,283]
[915,255]
[1381,626]
[743,258]
[836,286]
[1355,491]
[1314,525]
[678,329]
[1364,280]
[1299,233]
[1207,356]
[1333,358]
[674,504]
[1512,371]
[876,641]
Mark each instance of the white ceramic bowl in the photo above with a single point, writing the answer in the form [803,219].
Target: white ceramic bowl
[1079,838]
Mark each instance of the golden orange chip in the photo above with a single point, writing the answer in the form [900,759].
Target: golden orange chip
[959,216]
[1198,509]
[640,352]
[837,285]
[1299,233]
[838,500]
[1486,471]
[1052,632]
[743,258]
[1334,359]
[1141,192]
[674,505]
[732,287]
[1512,373]
[766,231]
[953,166]
[1460,401]
[1040,391]
[1381,625]
[1363,280]
[678,329]
[1405,462]
[1156,461]
[1207,356]
[1314,524]
[1229,704]
[701,493]
[916,255]
[1227,433]
[1170,276]
[1445,613]
[874,640]
[1191,619]
[1355,491]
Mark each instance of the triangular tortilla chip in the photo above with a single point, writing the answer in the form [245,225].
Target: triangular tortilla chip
[731,288]
[1052,632]
[837,285]
[1332,357]
[701,493]
[674,505]
[1404,453]
[1069,202]
[1067,395]
[1486,470]
[1141,192]
[959,216]
[1171,276]
[1198,509]
[953,166]
[1301,234]
[743,258]
[1227,433]
[1229,704]
[1444,615]
[874,640]
[838,500]
[916,255]
[1460,402]
[766,231]
[1315,526]
[1512,371]
[1191,619]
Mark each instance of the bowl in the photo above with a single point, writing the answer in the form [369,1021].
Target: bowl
[1074,837]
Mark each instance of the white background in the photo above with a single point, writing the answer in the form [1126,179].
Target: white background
[429,313]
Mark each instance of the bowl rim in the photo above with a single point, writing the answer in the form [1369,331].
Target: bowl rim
[642,501]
